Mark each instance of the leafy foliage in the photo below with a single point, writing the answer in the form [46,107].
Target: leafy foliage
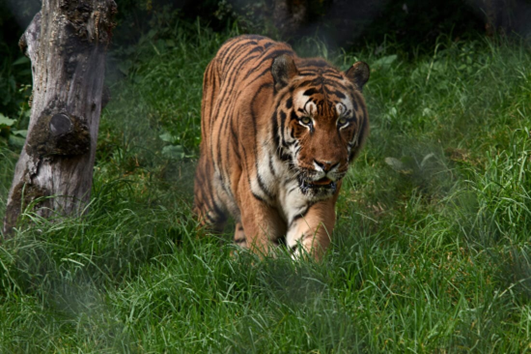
[15,77]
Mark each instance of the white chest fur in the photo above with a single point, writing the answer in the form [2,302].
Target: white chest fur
[277,184]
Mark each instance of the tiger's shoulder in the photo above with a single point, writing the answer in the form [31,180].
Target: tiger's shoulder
[249,56]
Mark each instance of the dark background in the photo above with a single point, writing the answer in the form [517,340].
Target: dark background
[413,25]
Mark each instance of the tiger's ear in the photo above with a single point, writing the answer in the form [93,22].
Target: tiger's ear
[283,70]
[358,74]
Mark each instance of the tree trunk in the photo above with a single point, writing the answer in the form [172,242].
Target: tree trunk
[66,43]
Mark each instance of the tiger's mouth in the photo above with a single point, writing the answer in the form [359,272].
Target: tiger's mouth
[324,184]
[325,181]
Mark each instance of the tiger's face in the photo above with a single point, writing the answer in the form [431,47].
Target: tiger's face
[324,127]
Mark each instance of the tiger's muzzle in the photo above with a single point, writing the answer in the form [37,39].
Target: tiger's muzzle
[318,184]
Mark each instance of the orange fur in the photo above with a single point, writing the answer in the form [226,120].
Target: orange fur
[278,135]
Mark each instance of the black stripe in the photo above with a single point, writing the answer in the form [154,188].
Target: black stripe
[292,189]
[306,83]
[290,143]
[234,69]
[333,75]
[255,132]
[285,157]
[340,94]
[258,197]
[289,103]
[271,167]
[217,208]
[354,102]
[264,72]
[255,50]
[300,215]
[235,46]
[318,81]
[276,137]
[292,116]
[279,52]
[218,144]
[310,91]
[228,94]
[261,184]
[282,129]
[235,146]
[234,65]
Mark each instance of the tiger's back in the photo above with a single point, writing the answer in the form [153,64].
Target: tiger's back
[261,159]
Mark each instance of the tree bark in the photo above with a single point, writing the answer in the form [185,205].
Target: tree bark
[66,42]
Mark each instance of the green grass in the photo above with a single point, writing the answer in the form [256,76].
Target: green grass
[431,252]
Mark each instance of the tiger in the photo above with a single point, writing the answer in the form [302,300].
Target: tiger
[278,133]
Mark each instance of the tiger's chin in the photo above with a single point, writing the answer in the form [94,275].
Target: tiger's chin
[317,190]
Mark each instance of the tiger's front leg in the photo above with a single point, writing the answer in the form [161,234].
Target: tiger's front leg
[260,225]
[311,233]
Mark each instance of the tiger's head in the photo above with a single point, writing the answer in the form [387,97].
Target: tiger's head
[322,120]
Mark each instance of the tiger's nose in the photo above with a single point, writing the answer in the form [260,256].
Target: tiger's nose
[326,166]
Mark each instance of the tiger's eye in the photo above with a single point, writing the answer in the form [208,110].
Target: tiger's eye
[306,120]
[342,121]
